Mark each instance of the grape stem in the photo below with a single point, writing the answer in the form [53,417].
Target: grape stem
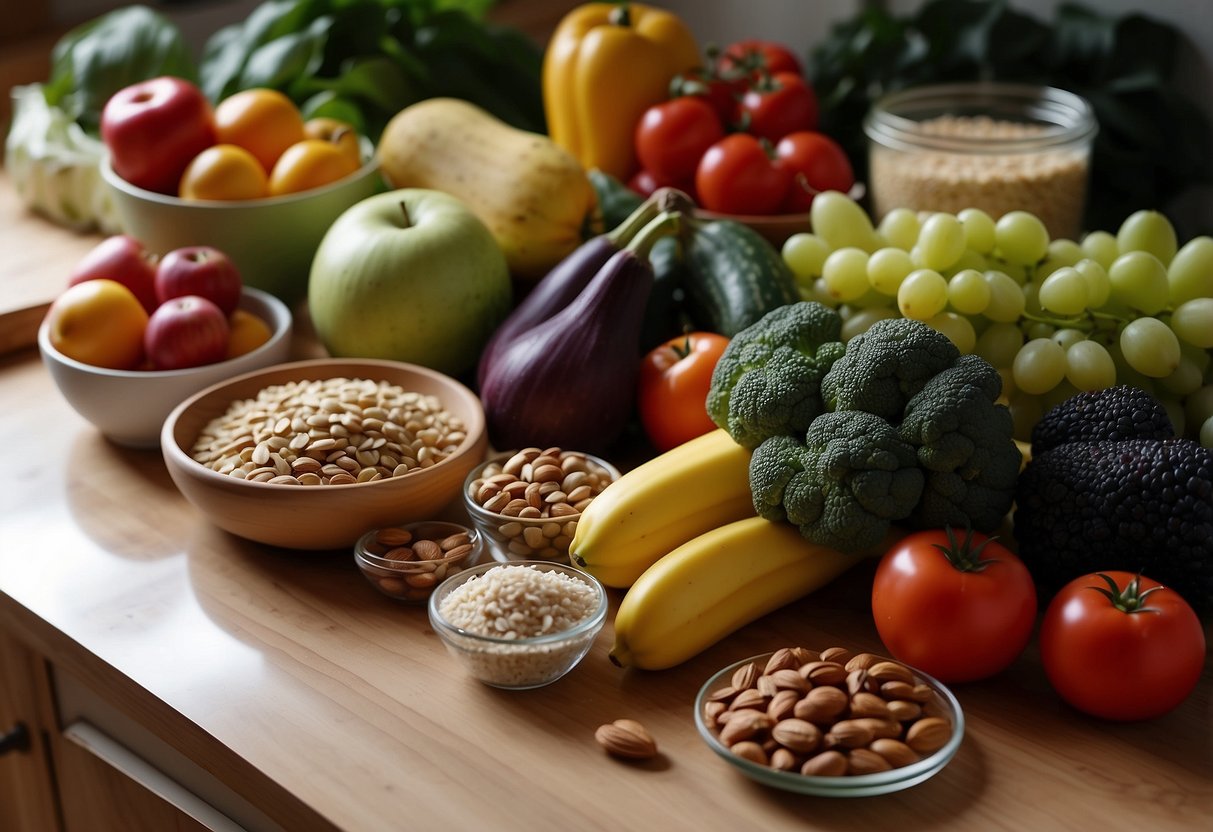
[1087,322]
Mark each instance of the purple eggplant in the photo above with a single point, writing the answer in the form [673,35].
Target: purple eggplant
[571,275]
[570,380]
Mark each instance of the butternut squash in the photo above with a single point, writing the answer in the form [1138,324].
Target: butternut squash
[534,196]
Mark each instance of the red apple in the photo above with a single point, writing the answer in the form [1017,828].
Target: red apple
[185,332]
[199,270]
[123,259]
[153,129]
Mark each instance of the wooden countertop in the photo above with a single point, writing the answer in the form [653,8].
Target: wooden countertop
[329,706]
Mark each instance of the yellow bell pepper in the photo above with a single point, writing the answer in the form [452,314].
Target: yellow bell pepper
[604,66]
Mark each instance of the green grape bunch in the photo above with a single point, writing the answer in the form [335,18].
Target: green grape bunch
[1054,316]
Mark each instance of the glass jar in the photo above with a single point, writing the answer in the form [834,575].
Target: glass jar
[997,147]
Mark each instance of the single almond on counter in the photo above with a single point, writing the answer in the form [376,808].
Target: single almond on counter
[627,739]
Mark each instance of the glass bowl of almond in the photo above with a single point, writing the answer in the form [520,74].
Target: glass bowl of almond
[526,503]
[406,562]
[830,723]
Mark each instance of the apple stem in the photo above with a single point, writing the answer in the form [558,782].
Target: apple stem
[404,209]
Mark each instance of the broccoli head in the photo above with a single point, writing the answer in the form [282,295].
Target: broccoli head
[1121,412]
[965,446]
[886,366]
[768,380]
[842,485]
[1139,505]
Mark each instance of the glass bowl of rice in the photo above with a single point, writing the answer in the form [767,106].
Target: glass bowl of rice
[518,625]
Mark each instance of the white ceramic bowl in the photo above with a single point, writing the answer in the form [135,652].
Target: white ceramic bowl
[130,406]
[272,240]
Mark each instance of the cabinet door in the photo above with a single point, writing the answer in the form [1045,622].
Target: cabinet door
[27,798]
[104,787]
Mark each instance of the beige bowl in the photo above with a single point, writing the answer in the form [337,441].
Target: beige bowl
[321,516]
[776,228]
[129,406]
[272,241]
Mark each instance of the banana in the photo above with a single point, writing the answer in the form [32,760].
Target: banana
[715,584]
[662,504]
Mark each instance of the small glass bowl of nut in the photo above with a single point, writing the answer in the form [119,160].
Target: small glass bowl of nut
[526,503]
[829,723]
[407,562]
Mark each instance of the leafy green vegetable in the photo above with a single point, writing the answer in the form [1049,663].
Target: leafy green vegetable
[358,60]
[365,60]
[96,59]
[1152,142]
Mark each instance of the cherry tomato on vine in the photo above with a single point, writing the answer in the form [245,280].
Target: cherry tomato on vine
[706,84]
[778,105]
[673,388]
[818,163]
[1121,647]
[753,57]
[738,176]
[672,137]
[960,610]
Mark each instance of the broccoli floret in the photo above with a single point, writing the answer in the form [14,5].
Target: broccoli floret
[1115,413]
[886,366]
[965,446]
[1140,505]
[768,380]
[842,485]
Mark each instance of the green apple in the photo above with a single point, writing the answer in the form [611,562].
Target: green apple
[409,275]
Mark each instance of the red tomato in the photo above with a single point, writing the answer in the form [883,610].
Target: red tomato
[817,163]
[723,94]
[1121,647]
[153,129]
[959,610]
[737,176]
[776,106]
[673,388]
[672,136]
[752,56]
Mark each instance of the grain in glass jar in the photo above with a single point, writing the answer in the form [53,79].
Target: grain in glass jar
[997,147]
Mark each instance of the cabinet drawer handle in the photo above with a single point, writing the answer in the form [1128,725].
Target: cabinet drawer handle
[17,739]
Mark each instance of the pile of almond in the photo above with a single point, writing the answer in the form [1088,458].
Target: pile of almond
[828,714]
[408,564]
[540,493]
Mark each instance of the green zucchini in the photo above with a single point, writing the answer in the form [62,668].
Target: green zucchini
[616,200]
[663,316]
[734,276]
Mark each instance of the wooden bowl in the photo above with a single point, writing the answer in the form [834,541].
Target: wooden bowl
[321,516]
[776,228]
